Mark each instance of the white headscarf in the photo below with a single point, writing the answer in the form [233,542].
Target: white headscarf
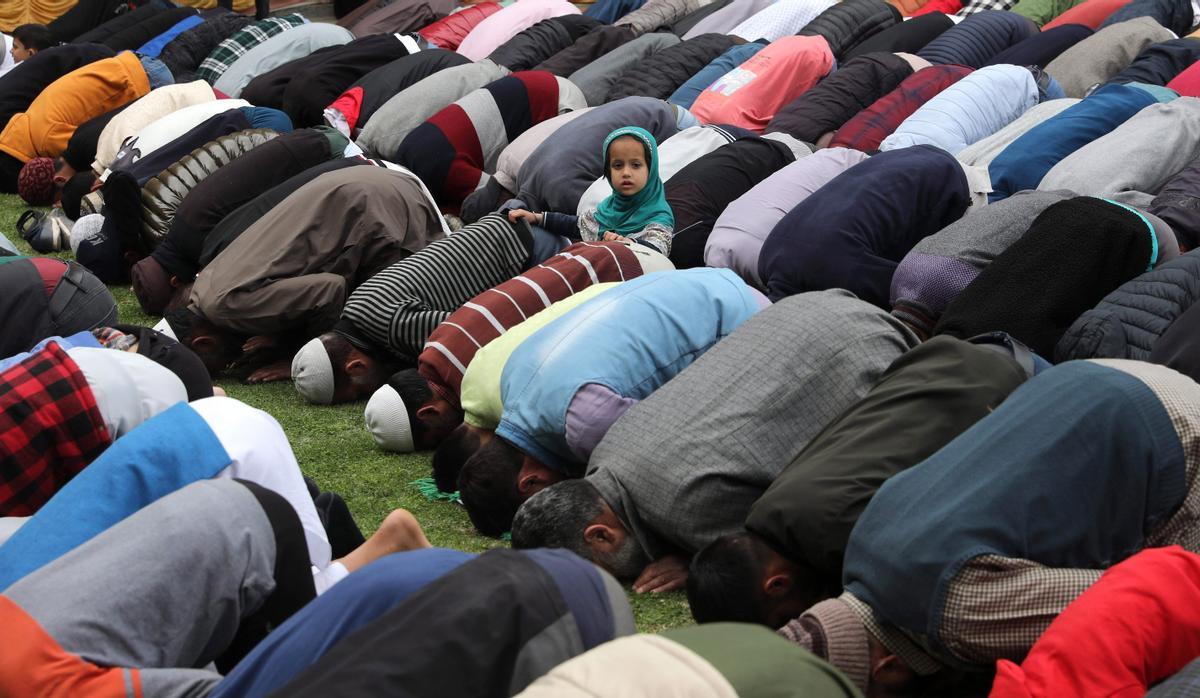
[129,387]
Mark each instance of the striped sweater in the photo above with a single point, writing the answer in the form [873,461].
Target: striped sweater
[453,344]
[455,150]
[398,308]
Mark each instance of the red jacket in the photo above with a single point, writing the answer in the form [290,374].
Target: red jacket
[1135,627]
[449,31]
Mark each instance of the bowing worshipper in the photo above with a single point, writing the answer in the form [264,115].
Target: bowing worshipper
[449,31]
[814,116]
[41,132]
[557,423]
[1159,63]
[1176,16]
[415,408]
[191,580]
[540,41]
[909,36]
[148,138]
[62,408]
[739,231]
[385,130]
[1187,82]
[727,17]
[175,261]
[1155,591]
[356,601]
[1025,162]
[1074,253]
[983,151]
[674,154]
[18,89]
[789,555]
[558,171]
[598,78]
[291,272]
[665,69]
[1042,48]
[943,265]
[1136,158]
[969,110]
[1102,55]
[845,25]
[751,94]
[636,210]
[372,19]
[455,151]
[453,638]
[867,129]
[973,41]
[143,112]
[709,661]
[386,320]
[214,438]
[966,558]
[685,95]
[701,191]
[781,19]
[184,53]
[359,102]
[162,350]
[243,40]
[678,471]
[43,296]
[598,42]
[853,232]
[498,28]
[1176,205]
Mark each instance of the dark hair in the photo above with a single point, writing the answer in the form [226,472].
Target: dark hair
[414,390]
[35,36]
[77,187]
[184,323]
[174,357]
[338,346]
[452,454]
[487,485]
[724,580]
[557,516]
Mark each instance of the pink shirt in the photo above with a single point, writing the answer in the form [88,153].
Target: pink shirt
[507,23]
[750,94]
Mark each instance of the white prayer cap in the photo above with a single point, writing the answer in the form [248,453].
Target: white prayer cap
[312,372]
[387,420]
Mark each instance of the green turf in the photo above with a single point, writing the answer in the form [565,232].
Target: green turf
[334,448]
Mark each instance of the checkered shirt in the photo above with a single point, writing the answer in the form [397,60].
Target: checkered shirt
[50,429]
[234,47]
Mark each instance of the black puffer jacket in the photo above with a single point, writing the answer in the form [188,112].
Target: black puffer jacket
[848,24]
[664,71]
[132,38]
[163,193]
[836,99]
[1127,323]
[586,49]
[541,41]
[184,53]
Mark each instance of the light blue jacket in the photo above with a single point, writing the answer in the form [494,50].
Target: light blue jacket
[79,339]
[565,386]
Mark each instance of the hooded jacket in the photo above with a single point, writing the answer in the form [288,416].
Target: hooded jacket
[1128,323]
[541,41]
[856,84]
[977,38]
[969,110]
[162,194]
[665,70]
[847,24]
[1075,253]
[853,232]
[1104,54]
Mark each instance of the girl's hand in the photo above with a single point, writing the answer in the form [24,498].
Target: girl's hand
[611,236]
[521,214]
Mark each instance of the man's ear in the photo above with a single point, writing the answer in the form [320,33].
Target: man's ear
[427,412]
[357,367]
[60,180]
[891,672]
[203,343]
[777,584]
[175,282]
[600,537]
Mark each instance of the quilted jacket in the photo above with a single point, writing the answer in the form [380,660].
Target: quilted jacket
[163,193]
[664,71]
[977,38]
[848,24]
[1127,323]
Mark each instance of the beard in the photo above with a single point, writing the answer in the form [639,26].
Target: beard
[626,562]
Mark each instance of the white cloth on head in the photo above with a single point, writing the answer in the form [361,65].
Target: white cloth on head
[6,62]
[85,228]
[387,421]
[259,452]
[129,388]
[312,373]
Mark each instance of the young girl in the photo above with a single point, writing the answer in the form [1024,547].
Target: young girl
[637,209]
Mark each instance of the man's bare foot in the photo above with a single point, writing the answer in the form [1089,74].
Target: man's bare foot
[399,532]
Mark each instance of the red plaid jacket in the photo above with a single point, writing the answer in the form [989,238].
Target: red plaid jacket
[870,126]
[50,429]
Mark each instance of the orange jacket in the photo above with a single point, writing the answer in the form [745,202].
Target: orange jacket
[82,94]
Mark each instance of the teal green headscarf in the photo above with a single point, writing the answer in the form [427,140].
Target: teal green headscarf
[626,215]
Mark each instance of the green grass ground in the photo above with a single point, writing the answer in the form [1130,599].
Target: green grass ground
[335,449]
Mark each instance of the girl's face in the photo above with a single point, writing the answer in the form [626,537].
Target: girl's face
[627,166]
[19,52]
